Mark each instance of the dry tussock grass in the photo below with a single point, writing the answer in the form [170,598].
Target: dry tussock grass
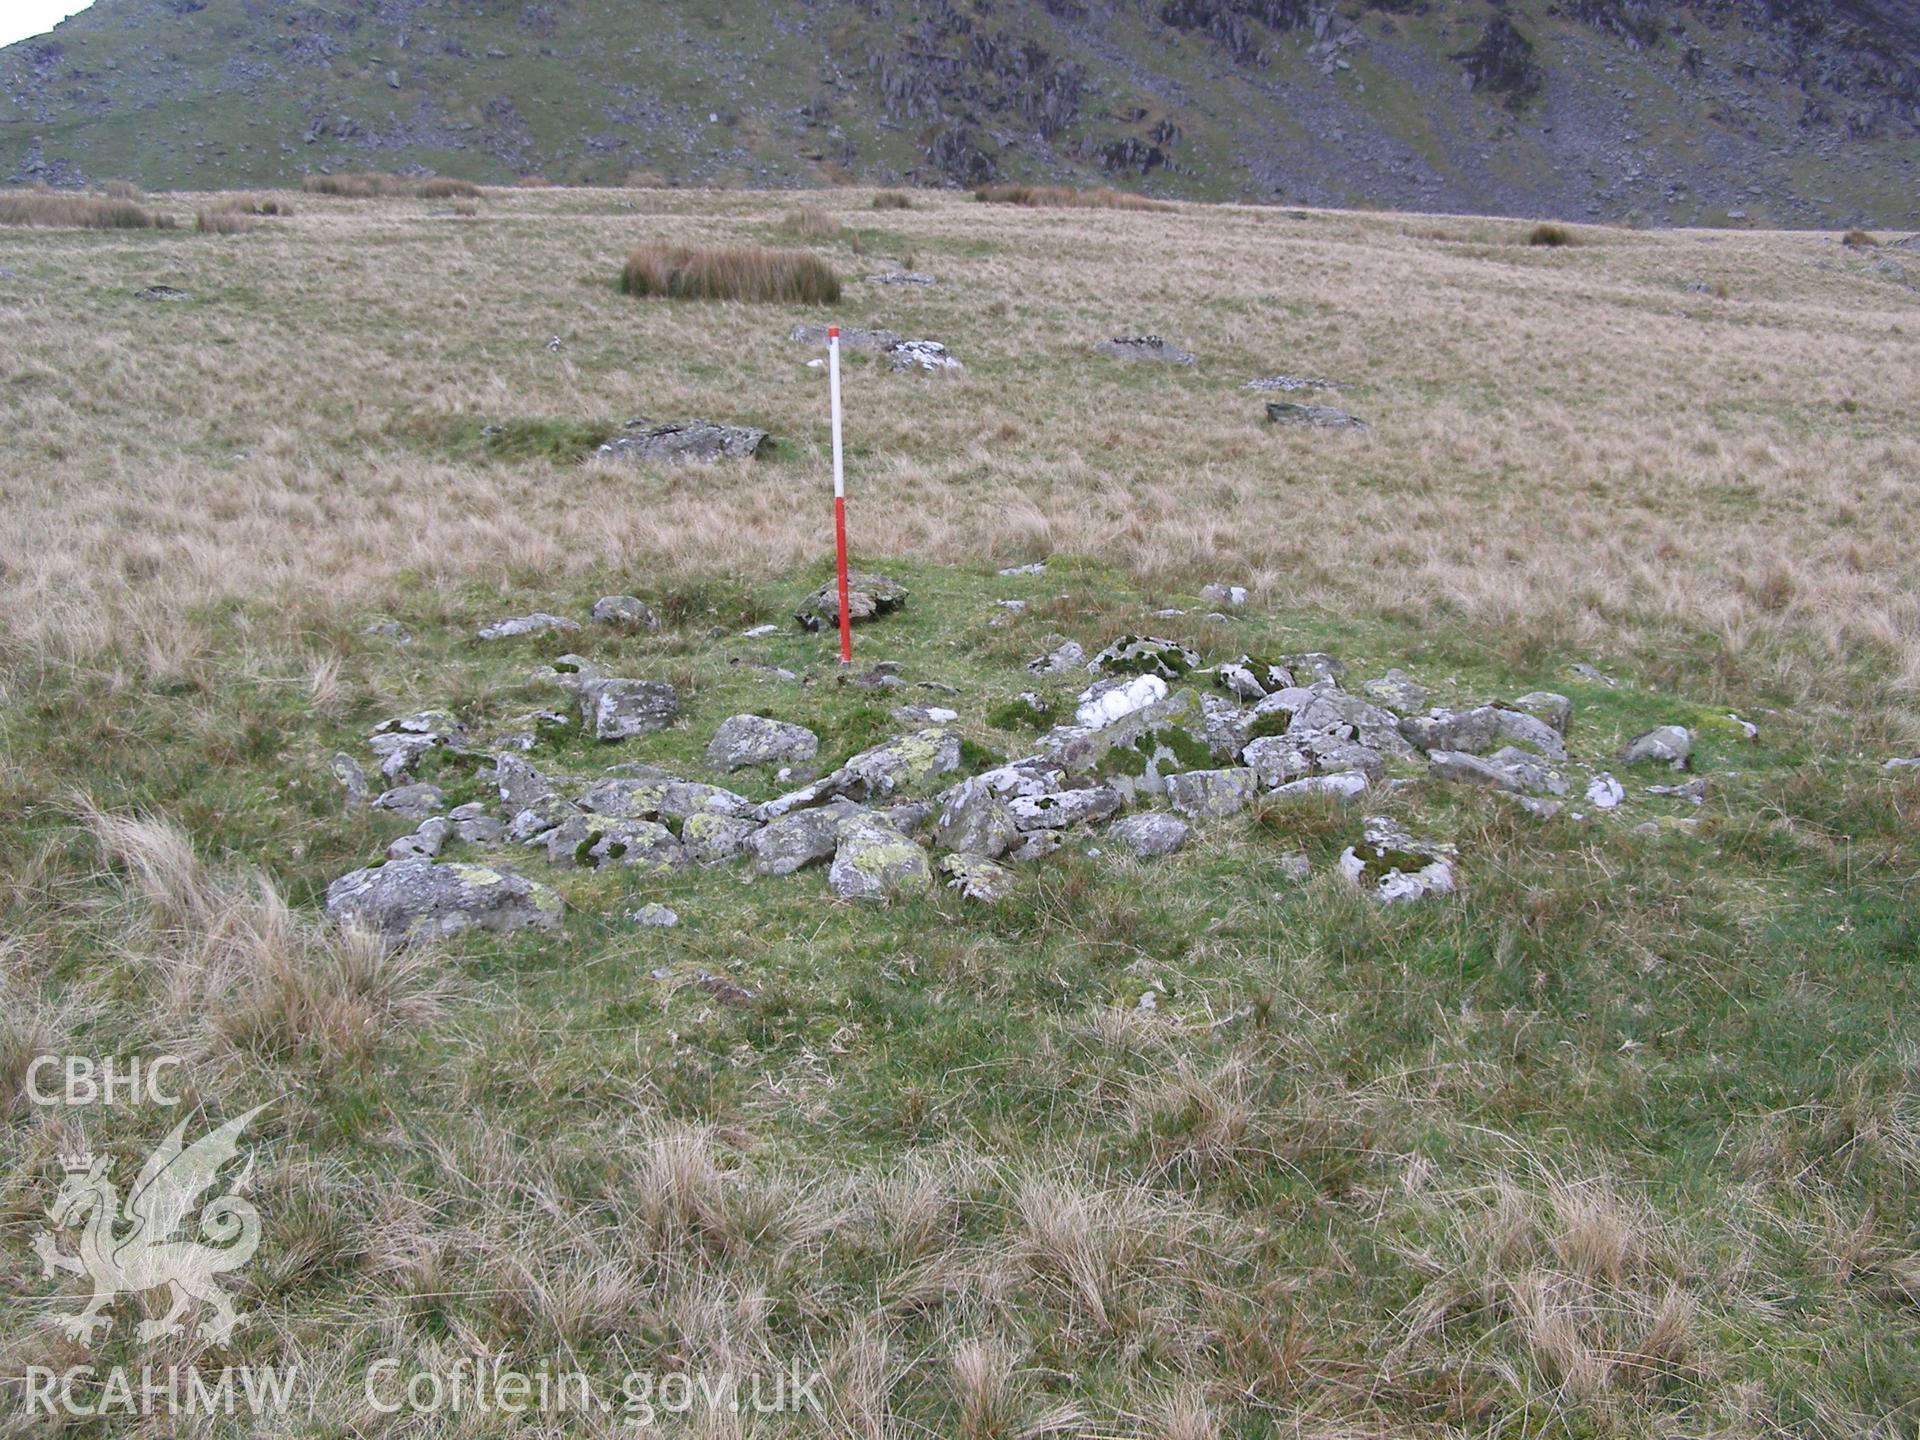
[376,185]
[60,210]
[1065,197]
[740,272]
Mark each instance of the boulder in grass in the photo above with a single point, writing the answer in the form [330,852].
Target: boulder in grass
[976,877]
[874,861]
[422,900]
[1212,794]
[868,596]
[1670,745]
[1313,417]
[1146,347]
[624,612]
[715,839]
[744,740]
[697,441]
[538,623]
[792,842]
[1393,867]
[620,709]
[594,841]
[1151,834]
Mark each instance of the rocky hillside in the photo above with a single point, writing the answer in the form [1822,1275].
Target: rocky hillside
[1785,111]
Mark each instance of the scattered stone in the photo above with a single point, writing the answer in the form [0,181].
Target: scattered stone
[1251,679]
[1341,785]
[1289,383]
[478,829]
[1397,691]
[401,743]
[655,916]
[596,840]
[1521,728]
[624,612]
[539,816]
[418,899]
[1470,732]
[727,992]
[1748,729]
[1281,759]
[1108,701]
[1508,769]
[901,277]
[1036,567]
[1587,672]
[851,337]
[976,877]
[389,630]
[1225,728]
[1605,793]
[744,740]
[1069,657]
[868,596]
[1694,790]
[1037,845]
[760,632]
[1547,705]
[1232,596]
[711,839]
[351,777]
[165,294]
[1322,666]
[659,795]
[1671,745]
[1295,866]
[1348,717]
[1212,794]
[1145,347]
[927,355]
[694,440]
[1150,835]
[1393,867]
[413,802]
[874,861]
[621,709]
[538,623]
[1318,417]
[520,785]
[923,714]
[911,817]
[897,765]
[1901,762]
[1145,655]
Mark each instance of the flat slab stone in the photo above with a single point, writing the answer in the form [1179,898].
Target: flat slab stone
[419,899]
[1147,348]
[699,441]
[1317,417]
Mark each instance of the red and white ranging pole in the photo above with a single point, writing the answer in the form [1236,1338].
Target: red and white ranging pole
[839,494]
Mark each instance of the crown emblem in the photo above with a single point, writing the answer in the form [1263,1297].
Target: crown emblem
[78,1160]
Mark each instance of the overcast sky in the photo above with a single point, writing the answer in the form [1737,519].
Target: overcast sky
[21,18]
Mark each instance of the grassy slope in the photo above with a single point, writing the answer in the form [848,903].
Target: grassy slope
[1623,1139]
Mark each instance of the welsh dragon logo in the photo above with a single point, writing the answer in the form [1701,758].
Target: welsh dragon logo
[141,1248]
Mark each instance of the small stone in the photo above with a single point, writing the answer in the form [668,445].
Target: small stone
[425,843]
[760,632]
[1391,866]
[1231,596]
[351,777]
[1747,728]
[868,597]
[621,709]
[1588,672]
[1068,658]
[976,877]
[624,612]
[1342,785]
[1036,567]
[1605,793]
[655,916]
[1671,745]
[1062,808]
[413,802]
[1037,845]
[1151,834]
[1901,762]
[791,842]
[1694,790]
[744,740]
[480,830]
[923,715]
[538,623]
[1146,347]
[389,630]
[1295,866]
[712,839]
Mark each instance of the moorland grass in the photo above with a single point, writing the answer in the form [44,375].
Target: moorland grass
[56,209]
[1066,197]
[729,272]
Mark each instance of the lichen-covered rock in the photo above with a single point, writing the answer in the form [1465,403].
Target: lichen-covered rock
[597,840]
[900,765]
[701,441]
[628,613]
[1037,845]
[874,861]
[1391,866]
[401,743]
[1321,708]
[538,623]
[744,740]
[1279,759]
[1151,834]
[351,777]
[539,816]
[976,877]
[791,842]
[868,596]
[420,900]
[714,839]
[1520,728]
[1212,794]
[1316,417]
[413,802]
[1225,727]
[1252,679]
[1342,785]
[651,797]
[1145,655]
[1517,771]
[1470,732]
[1068,657]
[425,843]
[926,355]
[1670,745]
[1397,691]
[1062,808]
[1145,347]
[519,783]
[621,709]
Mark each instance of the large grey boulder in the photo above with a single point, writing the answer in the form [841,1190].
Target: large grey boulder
[1150,834]
[1472,732]
[868,595]
[693,440]
[597,840]
[1320,707]
[713,839]
[621,709]
[1062,808]
[1397,691]
[786,844]
[420,900]
[1517,771]
[874,861]
[1548,705]
[903,764]
[413,802]
[744,740]
[1212,794]
[976,877]
[1316,417]
[1670,745]
[654,796]
[1145,347]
